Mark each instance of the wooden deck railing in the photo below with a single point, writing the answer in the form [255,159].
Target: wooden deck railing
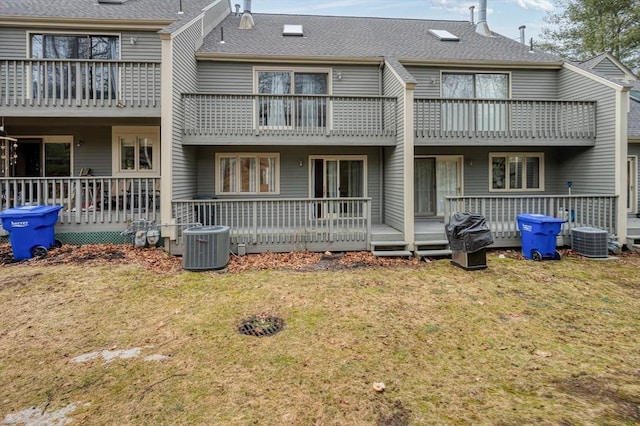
[504,118]
[87,200]
[81,83]
[294,223]
[303,115]
[598,211]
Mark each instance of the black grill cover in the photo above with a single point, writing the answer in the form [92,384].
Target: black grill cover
[468,232]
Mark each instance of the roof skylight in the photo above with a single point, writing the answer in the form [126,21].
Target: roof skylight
[444,35]
[292,30]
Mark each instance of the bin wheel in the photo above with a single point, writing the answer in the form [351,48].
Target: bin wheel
[536,255]
[57,243]
[39,251]
[557,256]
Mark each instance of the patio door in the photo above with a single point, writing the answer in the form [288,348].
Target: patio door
[334,178]
[632,179]
[435,178]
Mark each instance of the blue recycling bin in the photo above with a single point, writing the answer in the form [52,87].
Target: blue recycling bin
[31,230]
[539,234]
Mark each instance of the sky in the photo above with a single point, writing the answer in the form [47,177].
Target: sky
[503,16]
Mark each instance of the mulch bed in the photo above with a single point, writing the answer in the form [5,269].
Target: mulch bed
[156,259]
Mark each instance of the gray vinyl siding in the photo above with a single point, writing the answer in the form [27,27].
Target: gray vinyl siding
[294,180]
[476,167]
[231,77]
[225,77]
[394,202]
[185,78]
[592,171]
[525,84]
[147,47]
[610,69]
[13,43]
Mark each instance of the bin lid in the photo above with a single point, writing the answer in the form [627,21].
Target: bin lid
[539,218]
[22,211]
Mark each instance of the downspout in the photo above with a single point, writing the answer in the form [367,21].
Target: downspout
[381,149]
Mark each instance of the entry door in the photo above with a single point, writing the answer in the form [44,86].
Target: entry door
[632,179]
[336,178]
[29,161]
[434,179]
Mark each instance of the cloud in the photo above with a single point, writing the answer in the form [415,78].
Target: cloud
[545,5]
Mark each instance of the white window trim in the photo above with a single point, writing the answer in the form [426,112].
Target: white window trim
[151,132]
[238,155]
[365,169]
[539,155]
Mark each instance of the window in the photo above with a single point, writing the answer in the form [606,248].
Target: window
[516,172]
[247,173]
[66,80]
[481,115]
[136,150]
[309,110]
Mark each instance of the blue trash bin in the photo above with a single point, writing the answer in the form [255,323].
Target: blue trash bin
[31,230]
[539,234]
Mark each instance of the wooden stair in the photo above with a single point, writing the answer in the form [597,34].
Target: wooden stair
[633,242]
[432,248]
[390,249]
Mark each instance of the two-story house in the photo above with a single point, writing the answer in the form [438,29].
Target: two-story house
[321,133]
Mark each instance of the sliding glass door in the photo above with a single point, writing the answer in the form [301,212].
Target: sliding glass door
[434,179]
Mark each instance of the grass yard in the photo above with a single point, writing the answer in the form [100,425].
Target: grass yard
[519,343]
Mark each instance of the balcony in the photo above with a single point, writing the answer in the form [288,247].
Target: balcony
[59,87]
[446,121]
[227,119]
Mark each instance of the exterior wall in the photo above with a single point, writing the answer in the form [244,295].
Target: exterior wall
[294,180]
[96,149]
[14,42]
[475,168]
[230,77]
[525,84]
[393,207]
[592,171]
[185,76]
[607,67]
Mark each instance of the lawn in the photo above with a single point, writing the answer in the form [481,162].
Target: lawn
[520,342]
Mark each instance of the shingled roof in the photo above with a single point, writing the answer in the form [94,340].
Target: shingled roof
[360,37]
[134,11]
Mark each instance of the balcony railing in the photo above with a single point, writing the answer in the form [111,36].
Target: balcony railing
[296,224]
[87,200]
[598,211]
[81,83]
[504,118]
[297,115]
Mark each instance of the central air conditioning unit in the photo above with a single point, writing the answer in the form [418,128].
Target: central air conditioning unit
[590,242]
[206,248]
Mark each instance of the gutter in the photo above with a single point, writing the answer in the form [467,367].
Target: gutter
[42,22]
